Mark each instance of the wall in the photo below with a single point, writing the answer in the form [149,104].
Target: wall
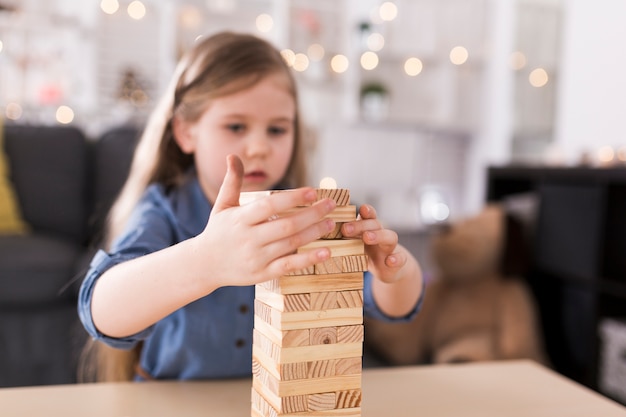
[592,93]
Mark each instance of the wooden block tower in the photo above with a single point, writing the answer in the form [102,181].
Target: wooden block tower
[308,329]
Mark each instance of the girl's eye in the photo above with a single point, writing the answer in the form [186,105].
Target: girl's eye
[236,127]
[276,130]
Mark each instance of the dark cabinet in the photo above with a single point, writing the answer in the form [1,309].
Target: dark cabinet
[578,266]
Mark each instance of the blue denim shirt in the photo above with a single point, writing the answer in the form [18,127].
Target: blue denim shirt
[208,338]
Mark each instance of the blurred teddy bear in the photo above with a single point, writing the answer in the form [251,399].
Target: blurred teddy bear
[472,311]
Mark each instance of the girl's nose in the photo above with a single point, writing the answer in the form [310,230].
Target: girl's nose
[257,145]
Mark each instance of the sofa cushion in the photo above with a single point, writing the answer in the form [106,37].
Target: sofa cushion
[36,269]
[11,221]
[50,176]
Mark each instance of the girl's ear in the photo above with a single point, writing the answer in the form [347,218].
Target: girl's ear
[183,135]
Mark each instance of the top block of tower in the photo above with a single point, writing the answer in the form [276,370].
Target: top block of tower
[340,195]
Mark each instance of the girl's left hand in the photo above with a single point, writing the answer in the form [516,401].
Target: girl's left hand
[386,259]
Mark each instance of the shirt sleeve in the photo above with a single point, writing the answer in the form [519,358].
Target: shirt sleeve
[151,227]
[371,309]
[100,264]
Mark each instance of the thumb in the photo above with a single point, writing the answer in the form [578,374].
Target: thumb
[228,196]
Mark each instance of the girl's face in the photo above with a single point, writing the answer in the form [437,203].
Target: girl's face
[256,124]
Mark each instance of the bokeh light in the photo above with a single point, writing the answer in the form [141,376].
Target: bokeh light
[136,10]
[315,52]
[289,56]
[458,55]
[375,41]
[413,66]
[369,60]
[13,111]
[538,77]
[264,22]
[64,115]
[518,60]
[339,63]
[388,11]
[328,183]
[301,62]
[109,6]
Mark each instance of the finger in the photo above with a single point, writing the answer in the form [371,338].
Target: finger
[228,195]
[279,203]
[290,242]
[298,261]
[357,228]
[367,212]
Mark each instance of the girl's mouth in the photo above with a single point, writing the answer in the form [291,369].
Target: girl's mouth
[255,176]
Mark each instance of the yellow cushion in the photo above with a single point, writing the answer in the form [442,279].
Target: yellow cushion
[11,221]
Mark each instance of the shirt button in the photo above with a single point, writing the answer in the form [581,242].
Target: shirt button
[240,343]
[243,309]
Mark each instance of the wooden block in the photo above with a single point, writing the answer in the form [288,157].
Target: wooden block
[324,300]
[283,302]
[339,247]
[305,271]
[319,369]
[330,266]
[262,408]
[340,195]
[348,399]
[349,366]
[346,299]
[340,214]
[350,334]
[354,263]
[323,336]
[321,401]
[315,283]
[316,318]
[282,338]
[304,387]
[305,354]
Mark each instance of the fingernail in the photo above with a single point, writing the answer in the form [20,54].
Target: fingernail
[331,204]
[330,224]
[323,254]
[369,236]
[348,228]
[310,195]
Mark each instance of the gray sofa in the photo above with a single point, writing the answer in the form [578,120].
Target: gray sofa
[65,183]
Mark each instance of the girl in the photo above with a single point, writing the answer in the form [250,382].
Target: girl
[174,291]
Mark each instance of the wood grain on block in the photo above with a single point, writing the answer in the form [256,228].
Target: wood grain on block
[350,334]
[340,214]
[349,366]
[354,263]
[315,283]
[316,385]
[304,271]
[330,266]
[261,407]
[282,338]
[323,336]
[317,318]
[304,354]
[283,302]
[319,369]
[340,195]
[339,247]
[321,401]
[348,399]
[353,298]
[324,300]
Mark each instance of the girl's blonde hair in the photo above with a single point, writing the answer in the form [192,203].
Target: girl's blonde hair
[216,66]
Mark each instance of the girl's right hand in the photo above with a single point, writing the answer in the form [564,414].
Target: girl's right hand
[244,247]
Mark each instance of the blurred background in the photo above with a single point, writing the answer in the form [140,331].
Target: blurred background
[431,91]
